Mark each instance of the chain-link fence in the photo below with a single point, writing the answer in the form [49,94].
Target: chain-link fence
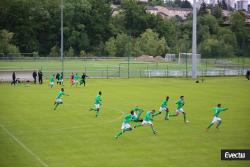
[113,67]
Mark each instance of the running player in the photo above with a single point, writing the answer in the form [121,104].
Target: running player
[52,80]
[164,107]
[217,110]
[76,79]
[148,121]
[125,125]
[137,114]
[60,79]
[98,103]
[180,103]
[58,100]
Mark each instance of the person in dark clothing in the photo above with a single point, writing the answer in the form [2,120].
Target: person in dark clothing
[57,78]
[13,78]
[83,79]
[60,79]
[40,77]
[248,74]
[34,76]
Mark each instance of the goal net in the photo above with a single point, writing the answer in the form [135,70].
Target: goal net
[187,58]
[170,57]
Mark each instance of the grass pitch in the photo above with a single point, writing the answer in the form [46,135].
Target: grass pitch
[33,135]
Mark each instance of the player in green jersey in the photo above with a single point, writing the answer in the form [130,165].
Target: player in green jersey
[217,110]
[148,120]
[58,100]
[137,114]
[98,103]
[125,125]
[179,109]
[76,79]
[60,78]
[52,80]
[164,107]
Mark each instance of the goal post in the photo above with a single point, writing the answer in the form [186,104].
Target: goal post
[187,58]
[169,57]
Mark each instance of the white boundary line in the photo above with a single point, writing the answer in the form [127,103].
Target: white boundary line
[24,146]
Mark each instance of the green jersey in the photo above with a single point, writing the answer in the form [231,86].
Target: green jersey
[148,116]
[60,94]
[218,110]
[137,109]
[128,118]
[60,77]
[52,79]
[98,99]
[180,103]
[164,103]
[76,77]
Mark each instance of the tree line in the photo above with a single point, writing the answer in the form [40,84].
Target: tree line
[92,29]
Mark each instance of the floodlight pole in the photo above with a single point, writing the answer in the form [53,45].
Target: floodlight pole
[194,43]
[62,36]
[129,52]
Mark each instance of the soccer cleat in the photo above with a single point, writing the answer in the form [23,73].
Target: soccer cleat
[187,121]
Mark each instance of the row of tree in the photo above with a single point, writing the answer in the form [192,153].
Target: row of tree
[90,28]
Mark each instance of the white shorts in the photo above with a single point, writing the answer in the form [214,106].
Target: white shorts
[135,115]
[216,119]
[97,106]
[58,100]
[180,110]
[162,109]
[146,122]
[125,126]
[51,83]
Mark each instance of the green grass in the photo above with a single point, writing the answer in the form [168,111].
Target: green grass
[73,137]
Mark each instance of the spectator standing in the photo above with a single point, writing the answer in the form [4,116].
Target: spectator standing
[13,78]
[34,76]
[40,77]
[248,74]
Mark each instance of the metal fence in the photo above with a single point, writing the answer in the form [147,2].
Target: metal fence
[113,67]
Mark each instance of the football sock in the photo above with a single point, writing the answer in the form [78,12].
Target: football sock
[210,125]
[152,127]
[167,115]
[138,125]
[57,104]
[157,113]
[219,123]
[185,117]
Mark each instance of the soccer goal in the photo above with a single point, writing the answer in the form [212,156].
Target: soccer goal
[21,74]
[170,57]
[187,58]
